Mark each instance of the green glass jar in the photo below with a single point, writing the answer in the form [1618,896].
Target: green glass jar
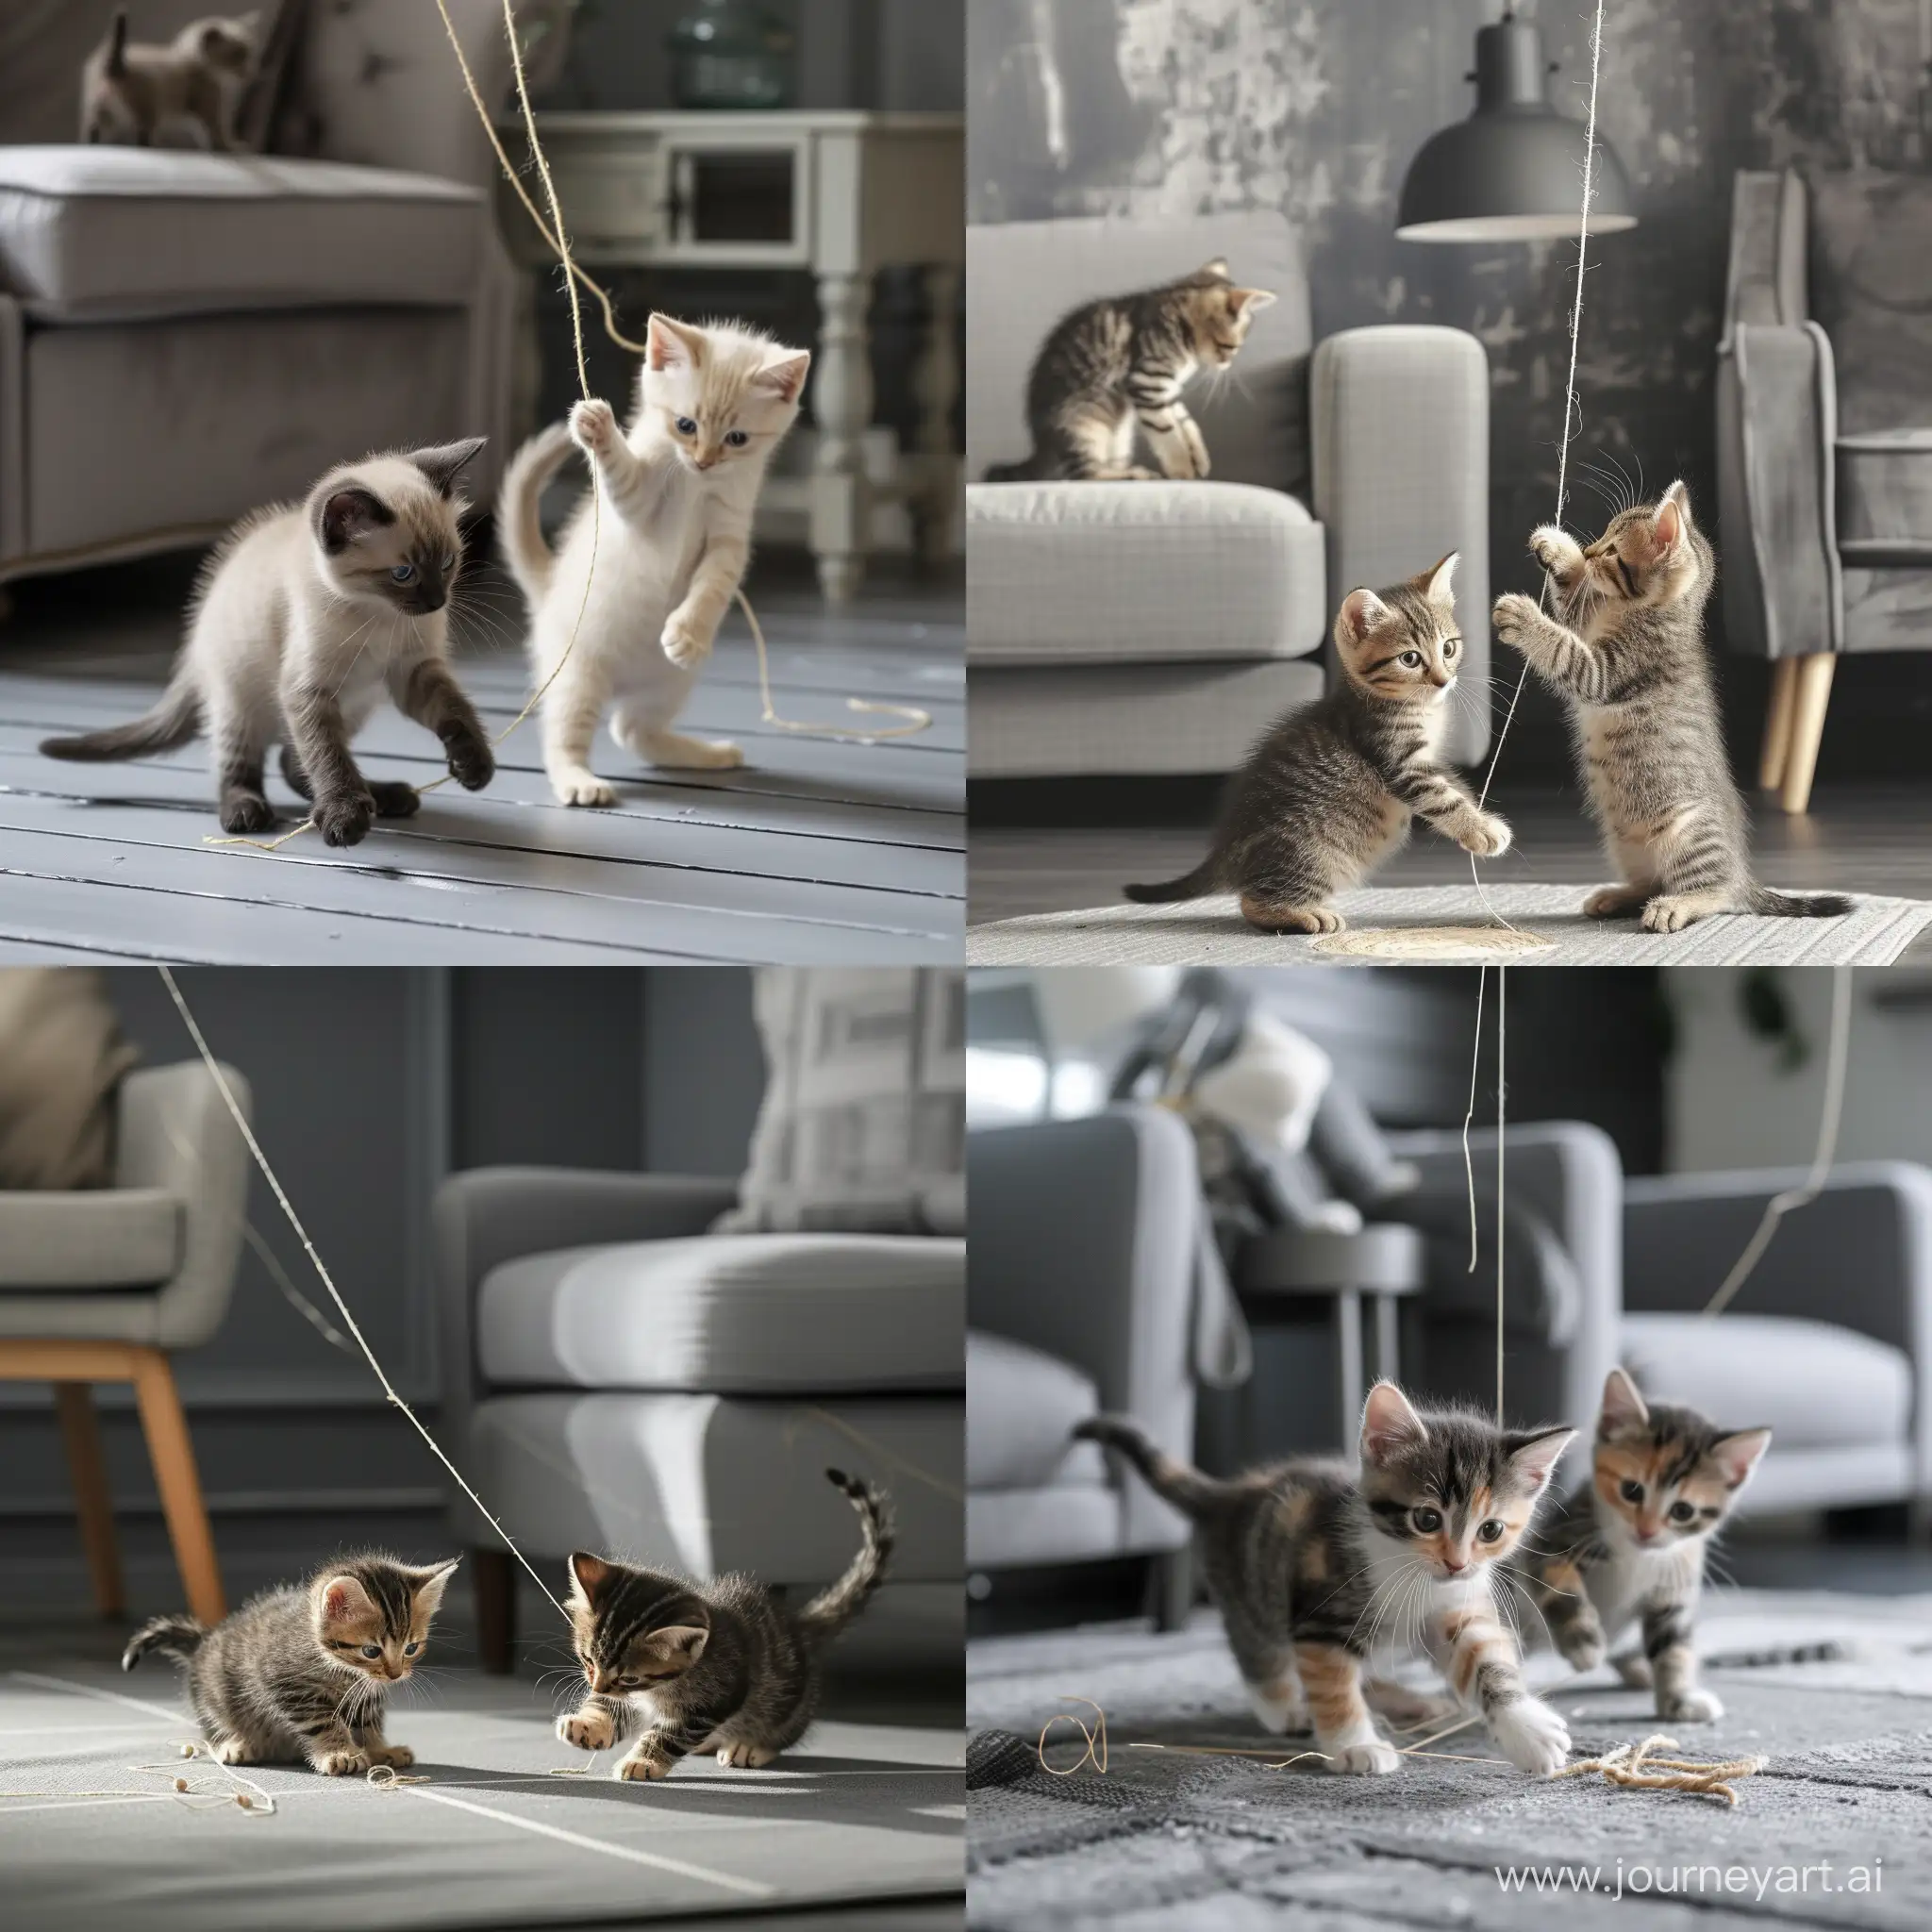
[731,54]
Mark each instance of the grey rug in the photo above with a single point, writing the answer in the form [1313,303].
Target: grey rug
[1164,1840]
[1211,932]
[862,1812]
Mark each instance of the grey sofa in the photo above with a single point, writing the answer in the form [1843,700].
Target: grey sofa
[616,1377]
[1825,438]
[1157,626]
[184,335]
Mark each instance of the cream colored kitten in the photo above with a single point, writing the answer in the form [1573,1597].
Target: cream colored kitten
[678,487]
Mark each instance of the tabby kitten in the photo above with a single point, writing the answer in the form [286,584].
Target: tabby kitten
[1123,362]
[1626,651]
[1319,1575]
[1329,792]
[302,1672]
[722,1667]
[1628,1547]
[304,617]
[183,94]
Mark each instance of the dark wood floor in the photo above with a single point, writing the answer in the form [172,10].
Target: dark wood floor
[1856,838]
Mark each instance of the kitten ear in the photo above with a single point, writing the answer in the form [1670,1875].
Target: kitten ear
[1361,612]
[441,463]
[589,1574]
[1243,301]
[1672,518]
[679,1643]
[341,1599]
[671,345]
[1215,271]
[1535,1456]
[784,378]
[1736,1453]
[1390,1426]
[1438,583]
[1623,1404]
[431,1581]
[348,513]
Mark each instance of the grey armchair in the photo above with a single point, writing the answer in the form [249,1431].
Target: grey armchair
[109,1284]
[1155,626]
[1825,438]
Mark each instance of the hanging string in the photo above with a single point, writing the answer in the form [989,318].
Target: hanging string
[1501,1108]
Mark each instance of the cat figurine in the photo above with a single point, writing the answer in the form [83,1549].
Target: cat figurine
[1321,1574]
[1329,792]
[184,94]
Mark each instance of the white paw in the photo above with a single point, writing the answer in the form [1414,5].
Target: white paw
[1366,1761]
[678,753]
[684,642]
[581,787]
[589,1730]
[593,426]
[1532,1737]
[397,1757]
[341,1763]
[1583,1653]
[1278,1714]
[229,1751]
[1553,549]
[645,1768]
[745,1756]
[1514,617]
[1488,837]
[1690,1708]
[1665,914]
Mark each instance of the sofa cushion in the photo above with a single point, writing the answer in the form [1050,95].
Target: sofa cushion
[1127,573]
[1020,1407]
[1885,497]
[99,232]
[105,1237]
[729,1313]
[1815,1386]
[1871,272]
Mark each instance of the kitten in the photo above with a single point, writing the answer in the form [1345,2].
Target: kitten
[1628,1547]
[183,94]
[722,1667]
[302,1672]
[680,488]
[1329,792]
[1626,651]
[1123,362]
[302,618]
[1318,1573]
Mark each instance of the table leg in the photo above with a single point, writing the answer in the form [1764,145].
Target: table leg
[938,387]
[842,400]
[1388,1360]
[1348,1361]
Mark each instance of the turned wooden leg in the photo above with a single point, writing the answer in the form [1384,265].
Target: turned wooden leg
[841,402]
[1807,727]
[81,1432]
[1777,724]
[173,1456]
[496,1576]
[1170,1588]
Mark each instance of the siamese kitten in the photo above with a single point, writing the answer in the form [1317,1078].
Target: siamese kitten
[679,485]
[183,94]
[305,617]
[1119,365]
[1626,651]
[1320,1574]
[301,1673]
[1328,794]
[1628,1547]
[722,1667]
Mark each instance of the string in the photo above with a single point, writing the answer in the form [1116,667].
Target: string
[1826,1153]
[1476,1060]
[1502,1104]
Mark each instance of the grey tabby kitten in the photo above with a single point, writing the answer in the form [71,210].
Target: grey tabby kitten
[306,616]
[183,94]
[1320,1575]
[301,1673]
[1628,1547]
[722,1667]
[1121,362]
[1626,652]
[1329,792]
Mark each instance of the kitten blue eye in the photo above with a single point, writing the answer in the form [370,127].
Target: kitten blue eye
[371,1650]
[1682,1512]
[1631,1492]
[1427,1520]
[737,439]
[686,426]
[403,572]
[410,1649]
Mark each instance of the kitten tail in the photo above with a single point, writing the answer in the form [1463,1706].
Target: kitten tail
[1188,1490]
[1203,879]
[176,1637]
[519,528]
[829,1612]
[1790,906]
[172,722]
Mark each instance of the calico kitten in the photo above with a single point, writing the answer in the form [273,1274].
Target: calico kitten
[183,94]
[679,488]
[1626,651]
[1319,1574]
[302,1672]
[1120,363]
[1329,792]
[722,1667]
[303,617]
[1628,1547]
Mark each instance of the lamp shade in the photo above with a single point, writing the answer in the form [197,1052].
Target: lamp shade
[1513,171]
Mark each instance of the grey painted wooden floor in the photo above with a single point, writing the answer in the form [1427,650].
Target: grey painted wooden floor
[818,850]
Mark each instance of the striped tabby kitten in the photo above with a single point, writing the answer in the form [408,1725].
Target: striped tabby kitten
[1123,361]
[1319,1575]
[1626,651]
[722,1667]
[1329,792]
[302,1672]
[1629,1546]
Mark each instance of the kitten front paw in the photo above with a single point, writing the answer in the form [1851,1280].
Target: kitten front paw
[1514,617]
[1583,1650]
[1366,1761]
[472,763]
[231,1751]
[246,811]
[1634,1668]
[1198,463]
[638,1765]
[1553,550]
[1690,1708]
[346,819]
[397,1757]
[589,1730]
[1532,1737]
[745,1756]
[353,1764]
[594,427]
[686,642]
[579,786]
[1484,835]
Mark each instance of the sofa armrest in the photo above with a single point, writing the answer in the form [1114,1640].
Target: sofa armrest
[1400,424]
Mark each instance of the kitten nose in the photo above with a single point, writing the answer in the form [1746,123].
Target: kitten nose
[1453,1566]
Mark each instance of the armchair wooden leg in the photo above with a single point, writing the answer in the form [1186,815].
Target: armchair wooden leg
[495,1577]
[1777,724]
[1170,1588]
[81,1432]
[173,1456]
[1812,696]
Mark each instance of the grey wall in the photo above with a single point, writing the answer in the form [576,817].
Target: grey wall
[1316,107]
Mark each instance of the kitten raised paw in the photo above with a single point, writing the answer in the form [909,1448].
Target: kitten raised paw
[1487,836]
[1690,1708]
[1514,617]
[685,643]
[593,426]
[1531,1735]
[1366,1761]
[350,1763]
[588,1730]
